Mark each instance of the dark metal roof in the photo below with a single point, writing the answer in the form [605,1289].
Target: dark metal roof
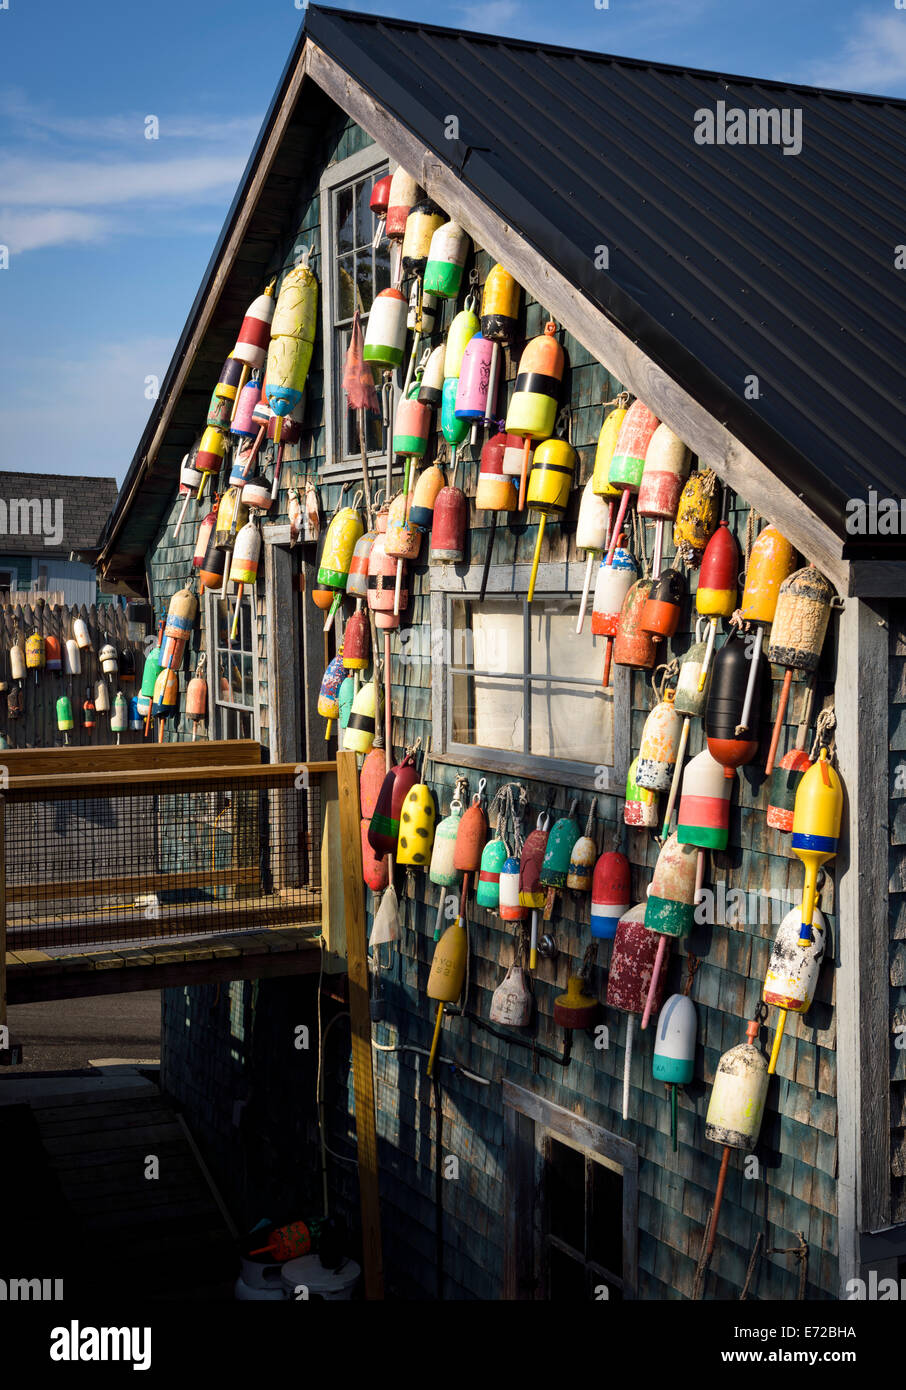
[726,262]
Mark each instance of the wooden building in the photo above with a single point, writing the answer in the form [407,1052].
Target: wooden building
[751,300]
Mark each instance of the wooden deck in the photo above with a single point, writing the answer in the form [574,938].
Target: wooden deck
[33,976]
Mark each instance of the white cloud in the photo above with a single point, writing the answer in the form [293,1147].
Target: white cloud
[90,183]
[39,122]
[872,57]
[30,231]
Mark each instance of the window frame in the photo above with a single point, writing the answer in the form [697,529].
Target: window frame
[372,159]
[215,704]
[530,1122]
[554,580]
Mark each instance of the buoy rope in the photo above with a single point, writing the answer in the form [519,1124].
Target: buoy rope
[824,734]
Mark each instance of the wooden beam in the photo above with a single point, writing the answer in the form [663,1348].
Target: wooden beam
[877,578]
[715,446]
[81,784]
[863,1023]
[360,1021]
[132,757]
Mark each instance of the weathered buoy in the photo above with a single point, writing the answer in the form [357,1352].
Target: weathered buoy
[673,1061]
[531,892]
[610,893]
[633,646]
[328,706]
[640,809]
[785,781]
[627,462]
[576,1008]
[446,257]
[612,584]
[797,635]
[792,972]
[661,613]
[670,908]
[659,746]
[511,1002]
[629,980]
[696,516]
[816,829]
[667,464]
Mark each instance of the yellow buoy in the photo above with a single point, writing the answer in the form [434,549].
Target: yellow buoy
[817,815]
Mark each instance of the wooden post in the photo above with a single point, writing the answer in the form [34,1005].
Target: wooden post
[360,1022]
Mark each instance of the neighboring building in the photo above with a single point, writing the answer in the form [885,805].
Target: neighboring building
[49,525]
[751,301]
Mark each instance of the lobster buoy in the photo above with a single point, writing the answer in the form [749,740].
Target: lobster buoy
[119,718]
[448,531]
[607,439]
[455,430]
[402,194]
[375,867]
[531,892]
[474,401]
[35,653]
[292,341]
[510,906]
[357,578]
[213,566]
[640,809]
[343,533]
[558,852]
[385,335]
[345,697]
[424,497]
[703,819]
[328,705]
[72,660]
[231,378]
[797,634]
[220,412]
[549,486]
[65,721]
[448,971]
[53,654]
[715,596]
[383,832]
[633,646]
[627,462]
[431,385]
[816,829]
[357,642]
[673,1061]
[770,562]
[659,745]
[255,330]
[726,698]
[471,834]
[691,692]
[460,333]
[416,828]
[101,697]
[661,613]
[591,536]
[211,453]
[671,898]
[446,259]
[135,715]
[785,781]
[380,197]
[359,733]
[576,1008]
[580,875]
[80,633]
[493,857]
[500,306]
[382,585]
[196,701]
[108,659]
[533,404]
[127,666]
[244,566]
[257,494]
[610,894]
[696,516]
[792,972]
[205,531]
[190,479]
[181,615]
[667,464]
[423,221]
[442,870]
[165,700]
[412,425]
[738,1095]
[612,585]
[630,979]
[88,711]
[495,491]
[511,1002]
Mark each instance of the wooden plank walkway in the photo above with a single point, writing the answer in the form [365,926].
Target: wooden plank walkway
[37,975]
[152,1237]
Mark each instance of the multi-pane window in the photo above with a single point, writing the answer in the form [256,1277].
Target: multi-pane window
[355,271]
[521,690]
[234,676]
[582,1200]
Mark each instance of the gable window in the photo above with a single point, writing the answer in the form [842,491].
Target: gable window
[354,271]
[516,689]
[233,669]
[571,1203]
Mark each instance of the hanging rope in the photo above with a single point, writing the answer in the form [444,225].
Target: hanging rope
[592,812]
[824,734]
[751,523]
[692,964]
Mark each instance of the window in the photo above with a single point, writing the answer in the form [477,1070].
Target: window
[571,1205]
[353,272]
[516,688]
[233,668]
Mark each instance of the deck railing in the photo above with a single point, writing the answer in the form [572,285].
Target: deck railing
[137,853]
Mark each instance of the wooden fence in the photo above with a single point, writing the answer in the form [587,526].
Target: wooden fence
[37,725]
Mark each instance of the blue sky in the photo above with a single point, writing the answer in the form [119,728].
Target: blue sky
[109,232]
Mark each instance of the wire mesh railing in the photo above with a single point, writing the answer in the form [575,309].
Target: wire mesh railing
[150,854]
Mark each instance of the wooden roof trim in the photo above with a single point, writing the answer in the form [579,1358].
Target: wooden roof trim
[715,446]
